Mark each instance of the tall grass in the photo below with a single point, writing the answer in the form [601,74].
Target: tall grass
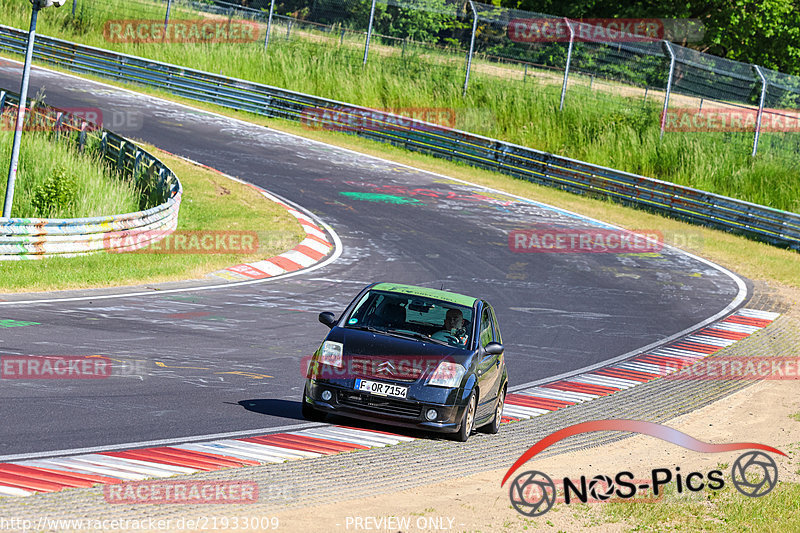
[54,180]
[595,126]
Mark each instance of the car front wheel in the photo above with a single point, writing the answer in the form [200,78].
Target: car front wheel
[468,421]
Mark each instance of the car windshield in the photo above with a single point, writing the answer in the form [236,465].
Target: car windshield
[413,316]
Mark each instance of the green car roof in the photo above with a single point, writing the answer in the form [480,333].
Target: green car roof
[413,290]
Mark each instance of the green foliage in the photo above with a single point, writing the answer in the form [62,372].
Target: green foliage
[55,194]
[762,32]
[54,180]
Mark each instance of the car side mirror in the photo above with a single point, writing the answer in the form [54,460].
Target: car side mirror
[327,318]
[493,348]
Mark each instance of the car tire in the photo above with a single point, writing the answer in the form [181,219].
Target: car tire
[311,414]
[468,420]
[494,426]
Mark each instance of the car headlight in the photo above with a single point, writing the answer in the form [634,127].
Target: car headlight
[331,354]
[447,374]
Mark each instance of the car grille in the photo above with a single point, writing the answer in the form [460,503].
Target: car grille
[379,405]
[376,368]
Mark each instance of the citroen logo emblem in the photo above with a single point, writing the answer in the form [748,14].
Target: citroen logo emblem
[386,368]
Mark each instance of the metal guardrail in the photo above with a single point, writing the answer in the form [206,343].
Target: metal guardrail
[36,238]
[777,227]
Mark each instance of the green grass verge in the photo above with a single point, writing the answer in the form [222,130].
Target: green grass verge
[596,126]
[55,180]
[210,203]
[719,511]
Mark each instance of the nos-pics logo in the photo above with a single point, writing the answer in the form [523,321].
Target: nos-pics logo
[533,493]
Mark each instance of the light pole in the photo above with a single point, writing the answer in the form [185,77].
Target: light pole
[23,95]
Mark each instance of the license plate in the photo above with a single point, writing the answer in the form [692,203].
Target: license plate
[381,389]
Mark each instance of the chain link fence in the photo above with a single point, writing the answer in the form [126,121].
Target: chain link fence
[627,68]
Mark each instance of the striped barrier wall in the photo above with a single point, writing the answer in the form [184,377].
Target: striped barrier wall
[25,477]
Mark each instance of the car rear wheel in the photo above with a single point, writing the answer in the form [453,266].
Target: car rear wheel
[468,421]
[494,426]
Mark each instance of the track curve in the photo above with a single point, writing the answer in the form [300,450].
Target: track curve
[559,312]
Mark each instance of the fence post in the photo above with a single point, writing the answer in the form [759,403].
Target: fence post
[269,24]
[569,60]
[74,5]
[23,94]
[668,48]
[369,31]
[289,28]
[166,17]
[760,108]
[471,45]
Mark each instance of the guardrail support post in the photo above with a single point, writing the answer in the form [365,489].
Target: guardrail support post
[289,29]
[760,108]
[137,163]
[74,5]
[566,67]
[369,31]
[2,101]
[121,156]
[82,136]
[23,94]
[668,48]
[269,24]
[57,126]
[471,46]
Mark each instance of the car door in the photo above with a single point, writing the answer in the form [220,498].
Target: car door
[488,366]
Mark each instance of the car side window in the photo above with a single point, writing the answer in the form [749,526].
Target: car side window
[486,334]
[497,336]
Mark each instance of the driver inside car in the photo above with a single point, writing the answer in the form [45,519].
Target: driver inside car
[454,331]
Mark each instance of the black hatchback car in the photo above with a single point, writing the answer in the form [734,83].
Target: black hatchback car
[413,357]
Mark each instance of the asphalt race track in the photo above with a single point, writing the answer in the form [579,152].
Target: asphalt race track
[229,359]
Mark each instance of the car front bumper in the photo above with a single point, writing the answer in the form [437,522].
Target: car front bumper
[409,413]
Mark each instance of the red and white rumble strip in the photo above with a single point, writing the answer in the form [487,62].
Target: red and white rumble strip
[22,478]
[311,250]
[315,247]
[642,368]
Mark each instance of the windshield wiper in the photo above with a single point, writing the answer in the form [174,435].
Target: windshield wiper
[368,328]
[415,335]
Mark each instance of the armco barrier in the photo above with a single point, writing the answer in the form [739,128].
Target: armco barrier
[771,225]
[32,238]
